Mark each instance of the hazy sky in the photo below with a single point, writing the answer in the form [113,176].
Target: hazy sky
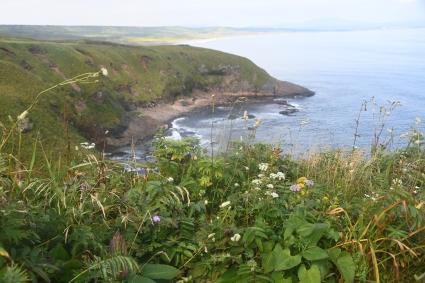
[205,12]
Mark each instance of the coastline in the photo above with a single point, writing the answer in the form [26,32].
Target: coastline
[142,124]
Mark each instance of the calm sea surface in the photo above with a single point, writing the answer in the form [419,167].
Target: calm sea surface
[343,68]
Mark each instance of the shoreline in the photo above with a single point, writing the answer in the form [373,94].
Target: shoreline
[144,122]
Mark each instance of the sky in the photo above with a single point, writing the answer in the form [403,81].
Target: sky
[237,13]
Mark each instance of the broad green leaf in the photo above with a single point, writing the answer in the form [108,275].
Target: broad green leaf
[305,230]
[346,267]
[311,275]
[159,271]
[278,278]
[315,253]
[284,259]
[269,262]
[230,276]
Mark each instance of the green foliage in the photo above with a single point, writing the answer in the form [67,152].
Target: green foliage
[247,216]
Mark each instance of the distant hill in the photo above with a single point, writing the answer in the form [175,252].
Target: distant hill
[125,35]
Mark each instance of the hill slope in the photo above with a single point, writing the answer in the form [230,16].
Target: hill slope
[137,76]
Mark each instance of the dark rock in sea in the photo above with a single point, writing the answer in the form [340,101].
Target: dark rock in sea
[232,116]
[289,111]
[282,102]
[250,116]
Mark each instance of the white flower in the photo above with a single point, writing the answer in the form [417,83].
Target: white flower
[236,185]
[104,71]
[280,176]
[235,238]
[270,186]
[263,166]
[86,145]
[246,168]
[206,249]
[206,202]
[224,204]
[211,235]
[170,179]
[256,182]
[274,195]
[257,189]
[23,115]
[76,147]
[260,175]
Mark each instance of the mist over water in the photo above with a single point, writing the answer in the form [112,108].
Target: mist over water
[343,68]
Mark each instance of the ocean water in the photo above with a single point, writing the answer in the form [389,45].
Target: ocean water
[343,69]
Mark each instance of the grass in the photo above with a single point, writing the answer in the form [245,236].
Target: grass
[136,75]
[232,218]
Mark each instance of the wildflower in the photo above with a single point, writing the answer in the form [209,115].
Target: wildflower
[104,72]
[206,249]
[263,166]
[156,218]
[308,183]
[22,116]
[257,123]
[279,175]
[206,202]
[76,147]
[86,145]
[257,189]
[246,168]
[270,186]
[235,238]
[170,179]
[211,236]
[301,180]
[301,185]
[224,204]
[295,188]
[260,175]
[274,195]
[236,185]
[256,182]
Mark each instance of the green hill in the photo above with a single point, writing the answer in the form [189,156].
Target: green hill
[137,75]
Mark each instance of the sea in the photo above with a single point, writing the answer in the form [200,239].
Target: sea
[369,89]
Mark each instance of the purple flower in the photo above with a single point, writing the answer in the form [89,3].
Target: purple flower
[308,183]
[156,219]
[295,188]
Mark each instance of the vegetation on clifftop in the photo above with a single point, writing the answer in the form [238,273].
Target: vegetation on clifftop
[251,215]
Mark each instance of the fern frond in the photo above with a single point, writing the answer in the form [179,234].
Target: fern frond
[107,269]
[13,274]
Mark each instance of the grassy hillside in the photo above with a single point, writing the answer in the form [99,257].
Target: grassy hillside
[136,75]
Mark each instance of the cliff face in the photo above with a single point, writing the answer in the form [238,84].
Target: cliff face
[139,78]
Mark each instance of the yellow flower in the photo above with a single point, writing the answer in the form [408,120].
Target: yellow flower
[301,180]
[301,185]
[303,193]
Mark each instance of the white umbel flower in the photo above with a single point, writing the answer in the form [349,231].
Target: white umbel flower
[104,72]
[224,204]
[235,238]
